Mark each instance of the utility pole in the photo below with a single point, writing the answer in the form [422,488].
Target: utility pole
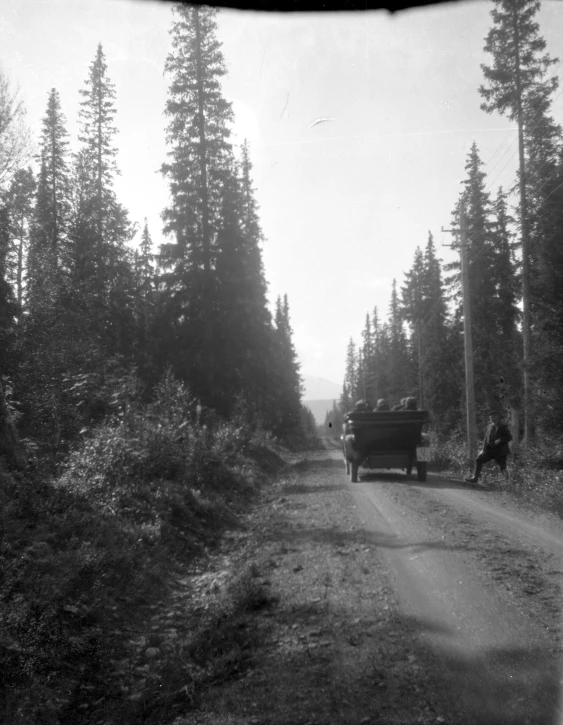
[420,380]
[363,372]
[467,336]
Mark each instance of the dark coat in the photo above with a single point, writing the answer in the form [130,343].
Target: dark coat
[500,432]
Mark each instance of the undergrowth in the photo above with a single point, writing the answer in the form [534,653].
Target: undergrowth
[86,553]
[534,474]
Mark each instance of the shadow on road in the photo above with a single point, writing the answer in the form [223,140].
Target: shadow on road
[319,464]
[362,675]
[298,488]
[360,537]
[401,478]
[500,686]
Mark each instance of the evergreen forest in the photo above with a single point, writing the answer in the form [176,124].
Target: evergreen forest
[514,247]
[91,313]
[148,393]
[145,393]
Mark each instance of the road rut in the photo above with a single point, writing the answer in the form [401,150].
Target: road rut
[398,603]
[462,563]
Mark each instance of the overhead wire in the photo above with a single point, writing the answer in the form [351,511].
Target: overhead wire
[490,185]
[536,173]
[537,125]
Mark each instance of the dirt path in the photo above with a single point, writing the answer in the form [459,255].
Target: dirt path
[483,583]
[397,602]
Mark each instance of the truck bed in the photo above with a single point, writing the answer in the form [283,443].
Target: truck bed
[386,430]
[385,439]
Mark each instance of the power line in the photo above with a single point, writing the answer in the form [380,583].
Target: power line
[537,125]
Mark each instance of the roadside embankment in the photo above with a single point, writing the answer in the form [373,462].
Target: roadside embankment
[90,559]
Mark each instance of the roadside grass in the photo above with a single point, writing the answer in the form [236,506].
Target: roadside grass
[535,474]
[87,556]
[215,647]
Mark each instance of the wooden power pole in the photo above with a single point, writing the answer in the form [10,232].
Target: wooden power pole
[467,336]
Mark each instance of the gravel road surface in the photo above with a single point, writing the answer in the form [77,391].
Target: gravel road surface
[482,580]
[398,602]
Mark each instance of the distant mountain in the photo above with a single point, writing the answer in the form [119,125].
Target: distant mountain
[321,389]
[319,408]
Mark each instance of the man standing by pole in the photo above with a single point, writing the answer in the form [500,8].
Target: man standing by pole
[495,445]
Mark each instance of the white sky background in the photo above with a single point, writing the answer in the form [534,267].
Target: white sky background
[343,204]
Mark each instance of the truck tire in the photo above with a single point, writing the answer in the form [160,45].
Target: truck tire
[421,470]
[354,472]
[347,466]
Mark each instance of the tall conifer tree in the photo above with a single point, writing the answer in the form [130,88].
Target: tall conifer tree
[286,372]
[102,223]
[198,136]
[516,82]
[20,198]
[399,367]
[199,165]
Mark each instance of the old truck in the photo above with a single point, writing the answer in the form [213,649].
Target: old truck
[386,439]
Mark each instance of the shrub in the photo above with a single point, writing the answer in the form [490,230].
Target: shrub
[91,548]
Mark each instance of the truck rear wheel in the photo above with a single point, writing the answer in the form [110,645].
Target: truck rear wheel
[347,466]
[421,470]
[354,472]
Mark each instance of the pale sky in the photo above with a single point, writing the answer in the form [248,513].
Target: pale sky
[344,203]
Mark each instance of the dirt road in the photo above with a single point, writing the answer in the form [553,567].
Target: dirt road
[401,602]
[481,579]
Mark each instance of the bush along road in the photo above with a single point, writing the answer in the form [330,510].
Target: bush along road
[384,601]
[309,600]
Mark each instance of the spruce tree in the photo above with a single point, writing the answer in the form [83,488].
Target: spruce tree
[368,360]
[20,201]
[101,224]
[11,449]
[8,304]
[50,337]
[199,166]
[49,252]
[345,401]
[286,373]
[481,254]
[54,153]
[376,355]
[443,349]
[243,322]
[414,311]
[504,303]
[350,385]
[198,135]
[515,82]
[145,278]
[386,375]
[97,136]
[399,363]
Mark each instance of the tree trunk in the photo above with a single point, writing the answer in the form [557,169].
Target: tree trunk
[10,446]
[515,430]
[203,160]
[529,423]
